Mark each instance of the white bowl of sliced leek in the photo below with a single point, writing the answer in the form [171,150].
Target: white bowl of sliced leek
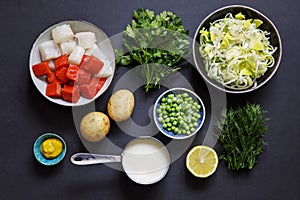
[77,40]
[237,49]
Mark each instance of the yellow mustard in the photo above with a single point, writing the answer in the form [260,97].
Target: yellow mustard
[51,148]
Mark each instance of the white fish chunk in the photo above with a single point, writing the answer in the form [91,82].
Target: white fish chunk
[62,33]
[49,50]
[106,70]
[95,51]
[67,47]
[51,65]
[86,39]
[76,55]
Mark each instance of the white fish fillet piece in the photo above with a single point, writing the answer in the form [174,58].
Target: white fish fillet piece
[95,51]
[76,55]
[49,50]
[62,33]
[51,65]
[86,39]
[67,47]
[106,70]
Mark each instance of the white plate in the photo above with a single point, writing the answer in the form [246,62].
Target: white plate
[103,43]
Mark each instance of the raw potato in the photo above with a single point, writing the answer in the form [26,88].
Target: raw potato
[120,105]
[94,126]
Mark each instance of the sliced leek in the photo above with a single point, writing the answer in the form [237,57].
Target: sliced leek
[235,51]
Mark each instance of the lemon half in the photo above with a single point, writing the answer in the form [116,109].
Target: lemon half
[202,161]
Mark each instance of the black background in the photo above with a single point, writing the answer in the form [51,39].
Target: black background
[26,114]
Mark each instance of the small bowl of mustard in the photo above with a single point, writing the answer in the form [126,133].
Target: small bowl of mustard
[49,149]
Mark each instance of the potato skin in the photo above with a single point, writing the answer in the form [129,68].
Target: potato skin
[94,126]
[120,105]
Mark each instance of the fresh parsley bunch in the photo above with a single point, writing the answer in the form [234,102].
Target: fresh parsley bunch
[241,135]
[157,42]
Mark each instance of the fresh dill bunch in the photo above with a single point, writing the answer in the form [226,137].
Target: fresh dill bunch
[241,135]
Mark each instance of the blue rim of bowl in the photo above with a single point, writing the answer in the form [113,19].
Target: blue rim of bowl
[39,156]
[171,134]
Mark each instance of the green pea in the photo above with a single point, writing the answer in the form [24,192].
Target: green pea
[176,130]
[185,118]
[165,113]
[165,125]
[195,124]
[194,119]
[180,122]
[185,95]
[197,115]
[186,127]
[168,108]
[170,96]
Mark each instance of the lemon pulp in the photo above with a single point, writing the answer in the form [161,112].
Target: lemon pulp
[202,161]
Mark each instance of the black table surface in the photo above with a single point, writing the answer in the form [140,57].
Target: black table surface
[26,114]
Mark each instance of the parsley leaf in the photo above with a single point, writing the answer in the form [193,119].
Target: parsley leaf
[158,42]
